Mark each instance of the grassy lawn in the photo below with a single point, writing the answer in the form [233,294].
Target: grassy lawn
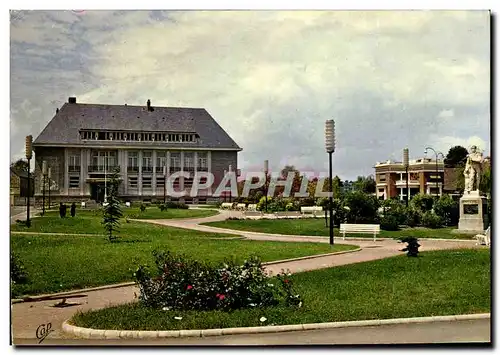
[59,263]
[316,227]
[436,283]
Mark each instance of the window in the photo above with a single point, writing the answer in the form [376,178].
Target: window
[74,181]
[147,161]
[146,182]
[175,160]
[161,161]
[160,181]
[381,177]
[133,159]
[188,161]
[202,161]
[132,181]
[74,163]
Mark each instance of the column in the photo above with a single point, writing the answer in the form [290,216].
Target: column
[124,169]
[153,181]
[401,194]
[195,157]
[209,169]
[167,157]
[89,162]
[139,175]
[66,177]
[181,181]
[83,168]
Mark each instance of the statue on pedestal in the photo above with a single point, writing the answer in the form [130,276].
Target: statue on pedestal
[472,171]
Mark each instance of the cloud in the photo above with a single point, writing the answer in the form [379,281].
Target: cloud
[271,79]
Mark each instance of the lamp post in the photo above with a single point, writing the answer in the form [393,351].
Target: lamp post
[230,183]
[29,155]
[406,161]
[437,171]
[330,148]
[44,174]
[49,177]
[164,184]
[266,170]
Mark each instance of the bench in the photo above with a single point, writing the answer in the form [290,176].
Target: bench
[83,204]
[241,206]
[360,228]
[311,209]
[287,214]
[253,213]
[226,205]
[484,239]
[127,203]
[252,207]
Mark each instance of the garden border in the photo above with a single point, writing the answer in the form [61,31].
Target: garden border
[58,295]
[89,333]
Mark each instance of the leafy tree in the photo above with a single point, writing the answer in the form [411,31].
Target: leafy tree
[485,185]
[20,165]
[112,211]
[362,207]
[446,208]
[456,156]
[337,187]
[365,184]
[422,203]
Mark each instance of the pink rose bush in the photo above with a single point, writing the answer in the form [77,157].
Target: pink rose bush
[184,284]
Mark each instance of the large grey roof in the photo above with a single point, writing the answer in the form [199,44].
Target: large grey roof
[64,127]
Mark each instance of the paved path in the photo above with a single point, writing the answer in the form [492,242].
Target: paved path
[26,317]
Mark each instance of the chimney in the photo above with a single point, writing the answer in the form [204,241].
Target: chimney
[57,110]
[149,105]
[72,100]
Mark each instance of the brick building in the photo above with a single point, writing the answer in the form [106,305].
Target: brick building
[83,143]
[390,177]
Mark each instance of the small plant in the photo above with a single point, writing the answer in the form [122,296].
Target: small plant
[112,211]
[411,247]
[162,207]
[142,207]
[431,220]
[389,223]
[17,270]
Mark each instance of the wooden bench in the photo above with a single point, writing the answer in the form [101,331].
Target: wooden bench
[311,209]
[287,214]
[484,239]
[226,206]
[360,228]
[253,213]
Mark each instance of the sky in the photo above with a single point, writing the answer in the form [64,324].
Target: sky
[389,79]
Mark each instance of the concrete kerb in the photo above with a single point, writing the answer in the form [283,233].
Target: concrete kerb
[88,333]
[131,283]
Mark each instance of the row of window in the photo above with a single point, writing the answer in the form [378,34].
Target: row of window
[137,136]
[109,159]
[147,182]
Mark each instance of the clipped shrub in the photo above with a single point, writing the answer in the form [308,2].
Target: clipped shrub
[185,284]
[389,222]
[176,205]
[17,270]
[362,207]
[448,209]
[412,245]
[413,217]
[142,207]
[422,203]
[431,220]
[162,207]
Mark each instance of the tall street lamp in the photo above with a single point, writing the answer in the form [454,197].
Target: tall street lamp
[437,171]
[406,162]
[49,177]
[29,155]
[266,171]
[330,148]
[44,174]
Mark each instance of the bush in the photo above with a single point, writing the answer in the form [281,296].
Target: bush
[163,207]
[17,270]
[389,223]
[142,207]
[422,203]
[431,220]
[413,217]
[362,207]
[178,205]
[447,209]
[412,245]
[186,284]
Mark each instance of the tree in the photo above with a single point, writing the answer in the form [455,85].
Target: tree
[20,165]
[112,211]
[336,187]
[365,184]
[456,157]
[486,179]
[362,207]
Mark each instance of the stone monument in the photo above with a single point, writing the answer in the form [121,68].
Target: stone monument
[472,204]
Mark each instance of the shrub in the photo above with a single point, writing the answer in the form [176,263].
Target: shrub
[162,207]
[431,220]
[17,270]
[362,207]
[446,208]
[413,217]
[186,284]
[21,223]
[142,207]
[422,203]
[389,222]
[412,245]
[177,205]
[112,211]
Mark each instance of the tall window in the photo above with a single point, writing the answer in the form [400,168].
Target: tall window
[74,163]
[175,160]
[147,159]
[188,160]
[133,161]
[161,161]
[202,161]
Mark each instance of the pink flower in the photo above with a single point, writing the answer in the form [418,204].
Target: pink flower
[286,281]
[220,296]
[189,287]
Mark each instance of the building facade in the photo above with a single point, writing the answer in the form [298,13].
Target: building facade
[84,143]
[423,177]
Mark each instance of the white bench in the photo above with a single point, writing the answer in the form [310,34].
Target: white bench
[311,209]
[360,228]
[484,239]
[241,206]
[287,214]
[252,207]
[226,206]
[127,203]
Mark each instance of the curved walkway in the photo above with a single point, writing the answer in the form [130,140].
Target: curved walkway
[28,316]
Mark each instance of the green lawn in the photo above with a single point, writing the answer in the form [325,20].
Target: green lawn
[316,227]
[59,263]
[436,283]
